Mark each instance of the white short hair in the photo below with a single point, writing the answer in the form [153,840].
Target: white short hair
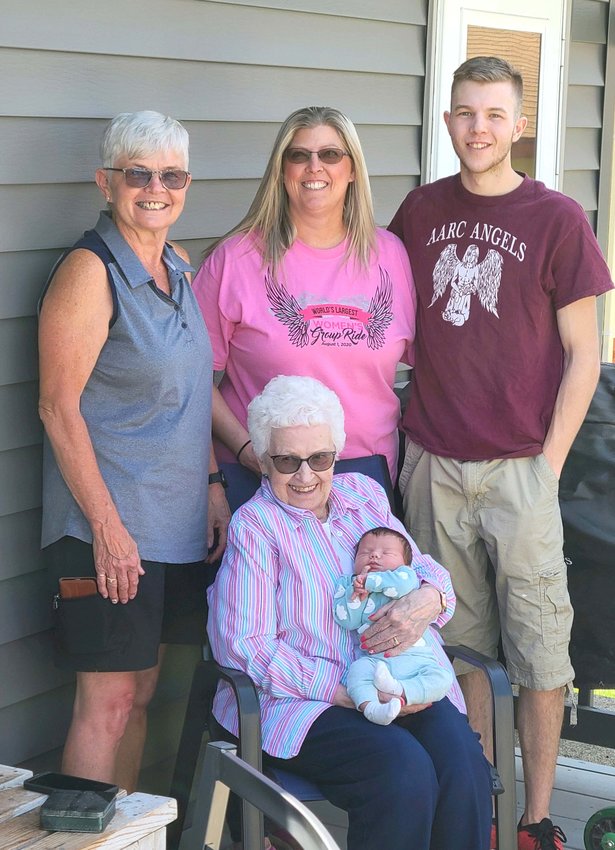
[140,134]
[294,400]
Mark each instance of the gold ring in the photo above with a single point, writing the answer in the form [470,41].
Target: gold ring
[111,580]
[395,642]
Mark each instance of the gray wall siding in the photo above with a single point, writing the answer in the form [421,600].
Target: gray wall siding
[231,71]
[587,113]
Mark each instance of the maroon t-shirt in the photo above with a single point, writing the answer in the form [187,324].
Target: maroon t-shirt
[490,274]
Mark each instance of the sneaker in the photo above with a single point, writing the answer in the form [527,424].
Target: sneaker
[540,836]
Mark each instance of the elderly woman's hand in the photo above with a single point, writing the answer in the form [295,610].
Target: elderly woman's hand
[342,698]
[401,623]
[117,562]
[405,709]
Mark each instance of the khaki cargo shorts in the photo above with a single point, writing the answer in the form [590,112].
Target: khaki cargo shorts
[496,526]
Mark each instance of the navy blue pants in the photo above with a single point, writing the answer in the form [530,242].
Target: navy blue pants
[421,783]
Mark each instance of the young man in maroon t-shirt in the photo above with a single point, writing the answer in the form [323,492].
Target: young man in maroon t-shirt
[507,273]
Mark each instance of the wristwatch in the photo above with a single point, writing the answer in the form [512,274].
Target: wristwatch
[218,478]
[443,602]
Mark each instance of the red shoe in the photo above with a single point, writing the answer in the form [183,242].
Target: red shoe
[540,836]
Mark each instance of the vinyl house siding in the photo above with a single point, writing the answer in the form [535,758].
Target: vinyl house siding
[231,72]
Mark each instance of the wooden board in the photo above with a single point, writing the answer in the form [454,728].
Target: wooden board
[139,818]
[10,776]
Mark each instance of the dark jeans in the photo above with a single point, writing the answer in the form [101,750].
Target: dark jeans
[422,783]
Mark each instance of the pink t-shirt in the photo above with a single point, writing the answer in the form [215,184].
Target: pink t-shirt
[491,273]
[324,317]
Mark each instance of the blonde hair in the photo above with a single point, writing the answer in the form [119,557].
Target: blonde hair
[268,218]
[490,69]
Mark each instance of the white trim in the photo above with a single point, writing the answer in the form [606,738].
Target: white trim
[452,18]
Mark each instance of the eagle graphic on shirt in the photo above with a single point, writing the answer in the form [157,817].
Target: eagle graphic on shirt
[467,277]
[287,309]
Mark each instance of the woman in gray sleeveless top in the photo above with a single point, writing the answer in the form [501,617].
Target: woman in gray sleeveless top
[132,499]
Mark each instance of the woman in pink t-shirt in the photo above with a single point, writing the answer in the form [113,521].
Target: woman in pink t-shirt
[306,284]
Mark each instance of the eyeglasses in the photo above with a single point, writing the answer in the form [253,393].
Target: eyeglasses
[330,156]
[139,178]
[319,462]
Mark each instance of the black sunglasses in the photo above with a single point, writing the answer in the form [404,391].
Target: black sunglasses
[139,178]
[330,156]
[319,462]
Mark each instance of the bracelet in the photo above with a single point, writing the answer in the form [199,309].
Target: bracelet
[245,445]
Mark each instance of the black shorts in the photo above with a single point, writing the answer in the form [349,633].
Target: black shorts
[92,634]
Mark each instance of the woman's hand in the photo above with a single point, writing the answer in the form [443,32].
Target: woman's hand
[401,623]
[229,430]
[341,697]
[405,709]
[248,459]
[218,518]
[117,562]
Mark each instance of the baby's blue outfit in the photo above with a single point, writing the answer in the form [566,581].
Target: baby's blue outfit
[417,669]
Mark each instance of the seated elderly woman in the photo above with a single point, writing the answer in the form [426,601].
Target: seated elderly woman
[421,783]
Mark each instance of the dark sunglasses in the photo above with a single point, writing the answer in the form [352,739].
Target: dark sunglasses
[319,462]
[139,178]
[330,156]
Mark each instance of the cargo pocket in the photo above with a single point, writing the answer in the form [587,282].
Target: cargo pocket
[555,606]
[89,624]
[546,474]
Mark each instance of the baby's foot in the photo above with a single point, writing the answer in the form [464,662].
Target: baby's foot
[382,713]
[385,682]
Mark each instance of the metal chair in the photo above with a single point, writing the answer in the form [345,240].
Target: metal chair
[242,485]
[222,772]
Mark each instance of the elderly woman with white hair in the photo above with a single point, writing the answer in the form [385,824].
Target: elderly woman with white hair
[421,783]
[125,398]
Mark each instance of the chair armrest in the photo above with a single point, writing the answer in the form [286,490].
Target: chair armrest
[503,738]
[495,672]
[250,741]
[249,717]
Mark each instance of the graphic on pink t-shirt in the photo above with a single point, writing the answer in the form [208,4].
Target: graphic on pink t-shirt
[467,277]
[305,325]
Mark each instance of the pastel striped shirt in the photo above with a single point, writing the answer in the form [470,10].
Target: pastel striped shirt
[270,608]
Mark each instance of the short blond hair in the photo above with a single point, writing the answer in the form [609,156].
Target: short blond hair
[490,69]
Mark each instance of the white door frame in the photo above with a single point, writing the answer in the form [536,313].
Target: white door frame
[451,19]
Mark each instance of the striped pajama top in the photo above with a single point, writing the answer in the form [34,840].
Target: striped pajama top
[271,606]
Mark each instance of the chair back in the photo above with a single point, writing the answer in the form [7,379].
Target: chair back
[243,484]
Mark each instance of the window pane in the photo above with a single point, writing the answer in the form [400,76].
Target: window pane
[521,49]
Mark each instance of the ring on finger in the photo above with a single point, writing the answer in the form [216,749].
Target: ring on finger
[111,580]
[395,641]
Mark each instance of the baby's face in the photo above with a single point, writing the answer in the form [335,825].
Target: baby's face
[379,552]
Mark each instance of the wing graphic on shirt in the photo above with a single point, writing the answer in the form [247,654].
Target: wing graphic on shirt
[380,312]
[467,277]
[286,308]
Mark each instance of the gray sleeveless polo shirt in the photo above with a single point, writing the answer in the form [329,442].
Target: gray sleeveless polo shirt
[147,406]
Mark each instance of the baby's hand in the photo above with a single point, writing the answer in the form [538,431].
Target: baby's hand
[358,584]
